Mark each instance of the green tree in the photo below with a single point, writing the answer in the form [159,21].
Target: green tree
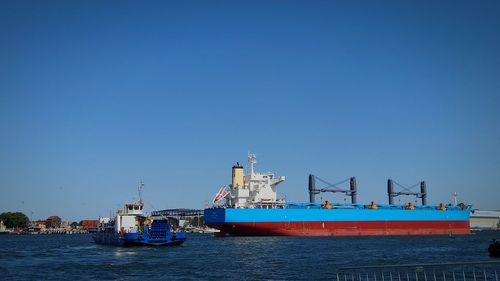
[74,224]
[16,219]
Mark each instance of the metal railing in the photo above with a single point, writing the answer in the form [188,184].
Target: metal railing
[178,213]
[466,271]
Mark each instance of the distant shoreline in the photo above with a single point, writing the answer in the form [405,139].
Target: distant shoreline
[46,233]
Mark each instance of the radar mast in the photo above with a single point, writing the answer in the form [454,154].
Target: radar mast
[139,189]
[252,160]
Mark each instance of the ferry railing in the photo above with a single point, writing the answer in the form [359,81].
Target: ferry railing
[465,271]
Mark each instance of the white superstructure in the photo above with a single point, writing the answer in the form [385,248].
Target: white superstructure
[253,190]
[129,219]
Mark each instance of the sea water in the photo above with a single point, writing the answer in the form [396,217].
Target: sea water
[204,257]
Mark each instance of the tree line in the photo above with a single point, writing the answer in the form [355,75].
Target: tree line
[16,219]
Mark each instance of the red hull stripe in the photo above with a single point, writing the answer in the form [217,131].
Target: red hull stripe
[349,228]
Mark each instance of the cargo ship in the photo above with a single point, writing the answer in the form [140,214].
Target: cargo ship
[131,227]
[249,206]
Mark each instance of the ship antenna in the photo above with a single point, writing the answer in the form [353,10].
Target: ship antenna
[252,160]
[139,189]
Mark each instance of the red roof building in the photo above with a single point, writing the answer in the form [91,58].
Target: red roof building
[53,222]
[89,224]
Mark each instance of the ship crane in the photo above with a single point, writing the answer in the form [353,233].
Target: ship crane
[406,191]
[352,191]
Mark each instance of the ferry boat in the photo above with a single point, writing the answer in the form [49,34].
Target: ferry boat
[130,226]
[250,206]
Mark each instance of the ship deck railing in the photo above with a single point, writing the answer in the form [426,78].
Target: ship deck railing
[270,205]
[292,205]
[464,271]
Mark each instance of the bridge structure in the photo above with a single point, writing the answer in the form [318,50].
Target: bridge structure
[175,216]
[178,213]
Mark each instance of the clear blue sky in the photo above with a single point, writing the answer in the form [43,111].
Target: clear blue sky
[96,95]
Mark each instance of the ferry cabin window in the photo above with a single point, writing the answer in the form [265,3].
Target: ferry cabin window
[136,207]
[130,208]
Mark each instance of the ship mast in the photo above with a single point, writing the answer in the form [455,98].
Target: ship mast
[252,160]
[139,189]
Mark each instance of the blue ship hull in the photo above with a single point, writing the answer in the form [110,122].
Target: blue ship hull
[344,220]
[134,239]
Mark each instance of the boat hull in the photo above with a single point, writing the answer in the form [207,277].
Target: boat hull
[356,228]
[337,222]
[134,239]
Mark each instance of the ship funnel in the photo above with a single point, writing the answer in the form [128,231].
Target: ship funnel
[237,178]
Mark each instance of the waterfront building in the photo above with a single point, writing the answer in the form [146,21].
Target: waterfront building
[2,226]
[40,224]
[89,224]
[487,220]
[65,224]
[53,222]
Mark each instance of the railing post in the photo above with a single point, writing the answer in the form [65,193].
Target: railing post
[489,273]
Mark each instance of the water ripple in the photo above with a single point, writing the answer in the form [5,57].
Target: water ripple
[203,257]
